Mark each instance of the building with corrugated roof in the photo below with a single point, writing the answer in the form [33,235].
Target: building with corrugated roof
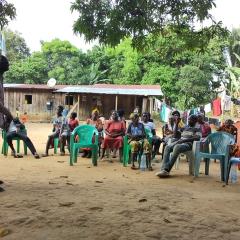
[40,101]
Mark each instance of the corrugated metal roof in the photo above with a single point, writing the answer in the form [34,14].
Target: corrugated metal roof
[32,86]
[140,90]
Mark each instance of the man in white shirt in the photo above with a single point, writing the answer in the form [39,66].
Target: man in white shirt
[16,129]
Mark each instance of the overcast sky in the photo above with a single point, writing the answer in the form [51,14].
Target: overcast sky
[47,19]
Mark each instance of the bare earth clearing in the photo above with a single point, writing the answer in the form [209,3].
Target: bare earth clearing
[47,199]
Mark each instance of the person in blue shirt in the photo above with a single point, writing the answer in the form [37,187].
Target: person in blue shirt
[137,139]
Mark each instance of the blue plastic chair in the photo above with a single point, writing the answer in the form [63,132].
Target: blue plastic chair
[232,160]
[85,135]
[219,143]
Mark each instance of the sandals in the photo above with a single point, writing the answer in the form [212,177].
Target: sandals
[134,168]
[36,156]
[44,155]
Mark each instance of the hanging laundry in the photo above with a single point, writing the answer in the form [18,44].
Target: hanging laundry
[194,111]
[165,112]
[207,108]
[236,101]
[217,109]
[168,112]
[157,105]
[227,103]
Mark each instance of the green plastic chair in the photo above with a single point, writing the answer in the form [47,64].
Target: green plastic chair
[127,147]
[85,135]
[55,144]
[5,144]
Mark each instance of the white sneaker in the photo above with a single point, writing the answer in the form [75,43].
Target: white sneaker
[162,174]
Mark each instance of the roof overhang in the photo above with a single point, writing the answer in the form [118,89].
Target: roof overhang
[112,91]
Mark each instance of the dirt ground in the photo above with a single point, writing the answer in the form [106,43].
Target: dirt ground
[46,199]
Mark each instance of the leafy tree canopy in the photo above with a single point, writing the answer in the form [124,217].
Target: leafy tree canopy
[110,21]
[17,48]
[7,13]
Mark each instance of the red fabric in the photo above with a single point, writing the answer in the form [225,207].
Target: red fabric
[217,110]
[114,142]
[72,123]
[205,129]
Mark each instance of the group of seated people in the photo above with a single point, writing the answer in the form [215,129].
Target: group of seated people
[177,136]
[114,129]
[111,133]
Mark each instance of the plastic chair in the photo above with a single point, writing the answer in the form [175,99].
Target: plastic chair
[232,160]
[5,144]
[191,159]
[85,134]
[55,144]
[219,143]
[127,148]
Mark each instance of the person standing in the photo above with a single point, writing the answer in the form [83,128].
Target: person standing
[4,112]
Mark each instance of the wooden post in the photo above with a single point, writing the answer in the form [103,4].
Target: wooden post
[135,101]
[144,104]
[150,105]
[78,106]
[116,102]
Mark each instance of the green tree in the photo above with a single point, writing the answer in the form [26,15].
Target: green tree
[111,21]
[65,62]
[234,44]
[7,13]
[125,66]
[165,76]
[194,87]
[30,70]
[16,46]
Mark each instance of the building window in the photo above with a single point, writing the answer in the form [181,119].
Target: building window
[68,100]
[84,98]
[28,99]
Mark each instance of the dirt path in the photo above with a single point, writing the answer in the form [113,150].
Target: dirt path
[48,199]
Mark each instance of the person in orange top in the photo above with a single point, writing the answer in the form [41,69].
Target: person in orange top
[24,118]
[229,128]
